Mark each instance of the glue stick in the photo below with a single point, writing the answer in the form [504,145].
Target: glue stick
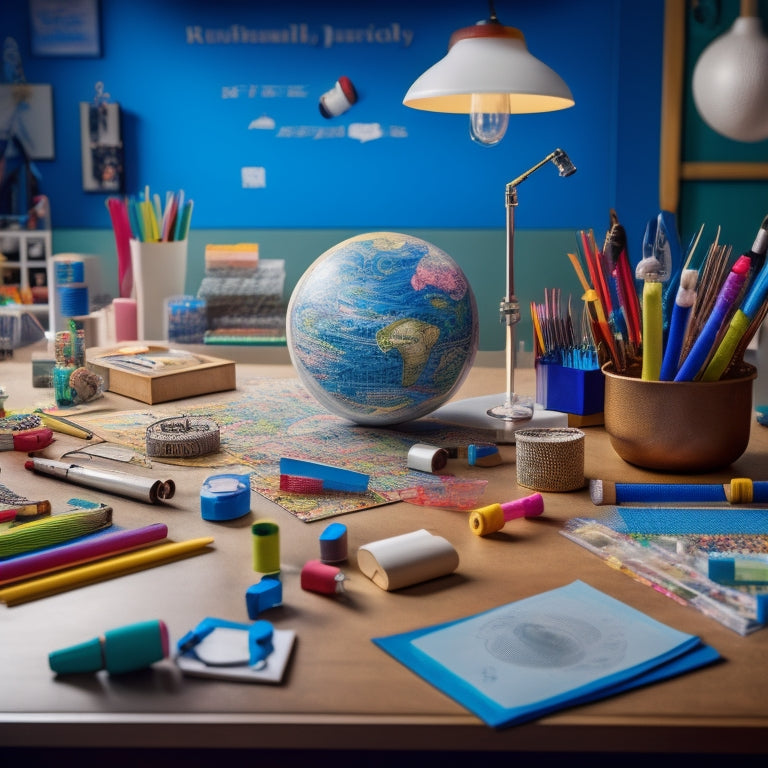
[492,518]
[266,547]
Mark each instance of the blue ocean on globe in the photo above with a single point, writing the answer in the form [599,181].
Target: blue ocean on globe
[382,328]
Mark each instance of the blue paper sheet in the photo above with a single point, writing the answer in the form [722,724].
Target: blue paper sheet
[554,650]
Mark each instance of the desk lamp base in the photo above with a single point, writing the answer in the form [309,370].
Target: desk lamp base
[474,412]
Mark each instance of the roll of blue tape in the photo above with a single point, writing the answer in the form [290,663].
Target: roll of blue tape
[73,299]
[69,271]
[225,497]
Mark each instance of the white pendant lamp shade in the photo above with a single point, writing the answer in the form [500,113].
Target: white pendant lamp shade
[489,61]
[730,82]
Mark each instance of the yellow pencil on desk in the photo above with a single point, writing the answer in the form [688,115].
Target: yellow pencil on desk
[65,426]
[103,569]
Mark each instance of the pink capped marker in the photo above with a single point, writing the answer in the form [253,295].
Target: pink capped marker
[326,579]
[492,518]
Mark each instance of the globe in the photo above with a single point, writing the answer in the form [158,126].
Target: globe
[382,328]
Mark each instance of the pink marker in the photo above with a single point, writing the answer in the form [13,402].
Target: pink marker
[492,518]
[326,579]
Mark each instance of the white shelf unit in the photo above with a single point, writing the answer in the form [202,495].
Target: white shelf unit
[25,265]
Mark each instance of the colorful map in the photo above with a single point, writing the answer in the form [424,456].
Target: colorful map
[271,418]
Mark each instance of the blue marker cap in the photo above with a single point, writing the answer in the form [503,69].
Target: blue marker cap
[478,451]
[333,543]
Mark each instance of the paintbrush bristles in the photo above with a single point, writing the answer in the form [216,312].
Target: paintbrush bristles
[713,273]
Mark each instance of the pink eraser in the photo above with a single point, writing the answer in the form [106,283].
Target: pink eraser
[317,576]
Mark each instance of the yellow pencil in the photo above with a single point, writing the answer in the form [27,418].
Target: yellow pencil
[104,569]
[65,426]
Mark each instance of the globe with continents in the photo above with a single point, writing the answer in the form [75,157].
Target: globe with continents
[382,328]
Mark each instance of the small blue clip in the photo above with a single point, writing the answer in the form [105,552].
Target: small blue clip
[259,642]
[267,593]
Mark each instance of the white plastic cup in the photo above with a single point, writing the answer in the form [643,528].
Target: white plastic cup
[159,271]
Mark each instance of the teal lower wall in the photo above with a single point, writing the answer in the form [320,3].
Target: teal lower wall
[541,261]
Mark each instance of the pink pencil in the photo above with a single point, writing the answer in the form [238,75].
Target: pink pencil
[79,552]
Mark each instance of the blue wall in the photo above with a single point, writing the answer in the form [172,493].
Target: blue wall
[187,106]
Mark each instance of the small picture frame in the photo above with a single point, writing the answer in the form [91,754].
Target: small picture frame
[30,109]
[65,28]
[101,147]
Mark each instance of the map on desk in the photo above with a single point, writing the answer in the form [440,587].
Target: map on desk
[271,418]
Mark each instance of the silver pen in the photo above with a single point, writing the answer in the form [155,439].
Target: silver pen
[120,483]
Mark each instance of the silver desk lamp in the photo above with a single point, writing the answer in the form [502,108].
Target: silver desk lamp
[514,407]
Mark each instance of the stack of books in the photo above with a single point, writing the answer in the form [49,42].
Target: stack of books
[243,295]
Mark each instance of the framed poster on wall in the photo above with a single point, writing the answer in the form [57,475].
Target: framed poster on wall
[26,113]
[65,27]
[101,147]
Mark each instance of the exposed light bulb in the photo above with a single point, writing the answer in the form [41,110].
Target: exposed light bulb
[489,118]
[729,82]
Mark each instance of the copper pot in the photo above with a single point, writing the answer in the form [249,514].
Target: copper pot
[679,426]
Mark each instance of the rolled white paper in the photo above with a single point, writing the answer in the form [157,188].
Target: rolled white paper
[408,559]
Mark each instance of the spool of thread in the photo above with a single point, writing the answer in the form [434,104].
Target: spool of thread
[266,547]
[125,319]
[550,459]
[69,271]
[427,458]
[73,299]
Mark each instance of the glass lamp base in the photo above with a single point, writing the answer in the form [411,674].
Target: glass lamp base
[515,408]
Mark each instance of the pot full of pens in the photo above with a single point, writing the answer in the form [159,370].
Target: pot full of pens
[671,340]
[151,238]
[690,426]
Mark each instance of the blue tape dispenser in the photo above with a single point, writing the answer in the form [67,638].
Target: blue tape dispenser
[225,497]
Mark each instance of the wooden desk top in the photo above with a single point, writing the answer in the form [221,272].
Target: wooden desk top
[341,691]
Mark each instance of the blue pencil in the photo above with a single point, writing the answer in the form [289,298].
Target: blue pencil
[703,346]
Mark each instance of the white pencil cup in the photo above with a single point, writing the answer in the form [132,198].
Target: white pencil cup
[159,271]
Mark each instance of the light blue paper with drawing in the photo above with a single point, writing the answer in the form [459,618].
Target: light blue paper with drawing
[560,648]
